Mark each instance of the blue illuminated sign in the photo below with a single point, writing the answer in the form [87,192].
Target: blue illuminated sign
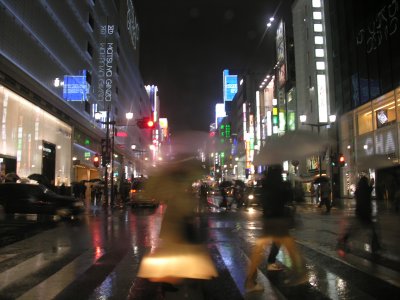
[75,88]
[230,86]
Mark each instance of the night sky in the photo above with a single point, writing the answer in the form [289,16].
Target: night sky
[186,44]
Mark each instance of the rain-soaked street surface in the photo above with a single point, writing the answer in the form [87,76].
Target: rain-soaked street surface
[98,257]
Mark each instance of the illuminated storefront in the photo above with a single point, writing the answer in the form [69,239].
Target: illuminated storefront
[369,139]
[32,140]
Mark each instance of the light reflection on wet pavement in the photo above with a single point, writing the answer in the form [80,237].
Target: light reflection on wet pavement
[109,248]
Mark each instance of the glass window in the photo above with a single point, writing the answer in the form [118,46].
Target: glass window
[316,3]
[397,97]
[364,119]
[317,15]
[320,65]
[384,110]
[318,27]
[319,53]
[318,40]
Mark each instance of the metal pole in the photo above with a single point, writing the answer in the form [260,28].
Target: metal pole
[108,154]
[112,165]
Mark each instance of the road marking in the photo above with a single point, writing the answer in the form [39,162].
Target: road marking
[53,285]
[4,257]
[236,261]
[30,266]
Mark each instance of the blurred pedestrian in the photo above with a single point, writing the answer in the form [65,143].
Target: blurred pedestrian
[397,199]
[203,193]
[276,194]
[177,257]
[364,218]
[325,193]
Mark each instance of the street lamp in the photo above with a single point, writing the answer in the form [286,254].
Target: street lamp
[108,150]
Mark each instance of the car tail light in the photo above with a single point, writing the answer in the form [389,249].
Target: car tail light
[133,191]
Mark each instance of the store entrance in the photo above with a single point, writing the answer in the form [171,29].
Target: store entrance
[49,160]
[387,181]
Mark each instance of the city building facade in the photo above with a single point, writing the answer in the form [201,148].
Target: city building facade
[60,63]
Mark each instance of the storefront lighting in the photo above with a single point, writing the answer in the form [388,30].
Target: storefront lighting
[58,147]
[348,147]
[365,147]
[74,158]
[133,147]
[332,118]
[40,147]
[129,115]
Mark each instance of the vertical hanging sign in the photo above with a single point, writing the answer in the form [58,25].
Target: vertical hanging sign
[105,63]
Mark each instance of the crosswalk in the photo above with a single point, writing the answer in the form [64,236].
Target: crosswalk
[71,263]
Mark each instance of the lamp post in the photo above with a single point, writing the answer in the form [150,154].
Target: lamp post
[108,152]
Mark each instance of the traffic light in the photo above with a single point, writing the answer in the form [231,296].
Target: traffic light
[341,160]
[145,123]
[96,160]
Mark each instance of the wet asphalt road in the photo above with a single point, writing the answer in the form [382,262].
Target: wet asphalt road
[98,257]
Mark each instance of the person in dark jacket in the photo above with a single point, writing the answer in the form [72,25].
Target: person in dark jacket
[276,194]
[364,217]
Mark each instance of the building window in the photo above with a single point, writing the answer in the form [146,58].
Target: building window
[89,77]
[87,107]
[316,3]
[364,120]
[384,110]
[89,49]
[91,21]
[320,65]
[317,15]
[317,27]
[319,53]
[318,40]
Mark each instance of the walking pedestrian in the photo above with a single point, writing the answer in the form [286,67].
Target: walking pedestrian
[325,190]
[276,230]
[364,218]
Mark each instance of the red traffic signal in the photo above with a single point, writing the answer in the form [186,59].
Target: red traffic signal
[96,160]
[145,123]
[342,161]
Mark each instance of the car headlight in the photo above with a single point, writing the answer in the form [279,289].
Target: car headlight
[251,197]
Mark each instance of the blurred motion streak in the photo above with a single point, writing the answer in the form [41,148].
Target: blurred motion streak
[177,257]
[294,145]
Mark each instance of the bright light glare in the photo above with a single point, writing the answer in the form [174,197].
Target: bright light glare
[129,115]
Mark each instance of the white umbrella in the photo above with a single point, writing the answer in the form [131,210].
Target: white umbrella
[293,145]
[377,161]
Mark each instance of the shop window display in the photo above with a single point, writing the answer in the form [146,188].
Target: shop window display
[384,110]
[364,119]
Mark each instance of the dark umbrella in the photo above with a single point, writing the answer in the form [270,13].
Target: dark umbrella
[320,179]
[11,177]
[225,184]
[41,179]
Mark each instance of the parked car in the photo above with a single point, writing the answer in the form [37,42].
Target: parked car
[27,198]
[138,197]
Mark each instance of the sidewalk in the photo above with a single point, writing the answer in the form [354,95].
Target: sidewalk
[388,225]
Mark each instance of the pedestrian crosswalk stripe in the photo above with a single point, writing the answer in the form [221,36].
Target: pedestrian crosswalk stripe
[53,285]
[30,266]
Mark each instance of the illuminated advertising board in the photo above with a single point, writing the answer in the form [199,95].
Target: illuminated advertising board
[219,113]
[230,86]
[75,88]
